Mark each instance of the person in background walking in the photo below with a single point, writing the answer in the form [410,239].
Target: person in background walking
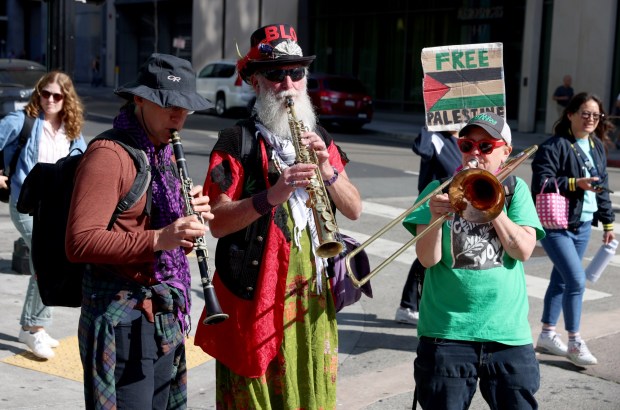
[57,129]
[96,72]
[563,93]
[439,158]
[575,157]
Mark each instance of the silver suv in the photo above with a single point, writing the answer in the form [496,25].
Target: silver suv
[17,81]
[219,83]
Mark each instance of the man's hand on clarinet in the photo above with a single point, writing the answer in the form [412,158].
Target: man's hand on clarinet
[184,231]
[200,203]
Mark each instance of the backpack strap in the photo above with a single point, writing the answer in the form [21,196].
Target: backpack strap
[24,134]
[509,189]
[143,176]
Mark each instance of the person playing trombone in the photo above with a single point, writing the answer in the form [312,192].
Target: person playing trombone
[473,322]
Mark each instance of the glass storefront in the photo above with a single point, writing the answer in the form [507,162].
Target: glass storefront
[381,43]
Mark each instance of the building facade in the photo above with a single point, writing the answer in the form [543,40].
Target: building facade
[380,43]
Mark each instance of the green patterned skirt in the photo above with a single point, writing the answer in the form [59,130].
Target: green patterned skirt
[303,373]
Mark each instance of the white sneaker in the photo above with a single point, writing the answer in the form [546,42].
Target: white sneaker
[579,354]
[46,338]
[551,345]
[37,343]
[406,315]
[49,339]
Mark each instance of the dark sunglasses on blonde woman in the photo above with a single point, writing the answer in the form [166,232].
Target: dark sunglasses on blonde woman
[46,95]
[484,146]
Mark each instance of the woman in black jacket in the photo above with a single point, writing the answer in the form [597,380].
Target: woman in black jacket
[575,158]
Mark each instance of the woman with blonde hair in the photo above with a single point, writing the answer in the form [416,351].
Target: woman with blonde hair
[57,116]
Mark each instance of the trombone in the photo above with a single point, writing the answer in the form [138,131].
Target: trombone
[476,194]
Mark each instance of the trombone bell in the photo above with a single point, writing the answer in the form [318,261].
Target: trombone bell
[476,195]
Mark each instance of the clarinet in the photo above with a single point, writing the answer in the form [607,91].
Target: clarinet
[213,310]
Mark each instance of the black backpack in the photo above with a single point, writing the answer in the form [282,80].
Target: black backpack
[509,190]
[46,195]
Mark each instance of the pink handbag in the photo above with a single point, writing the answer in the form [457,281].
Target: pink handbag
[552,208]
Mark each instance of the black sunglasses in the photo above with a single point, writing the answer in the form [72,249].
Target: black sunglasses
[46,95]
[484,146]
[278,75]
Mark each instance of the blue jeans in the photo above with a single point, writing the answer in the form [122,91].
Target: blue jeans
[34,312]
[446,374]
[566,248]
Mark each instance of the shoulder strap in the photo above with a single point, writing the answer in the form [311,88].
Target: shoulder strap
[509,189]
[24,134]
[250,153]
[248,144]
[143,176]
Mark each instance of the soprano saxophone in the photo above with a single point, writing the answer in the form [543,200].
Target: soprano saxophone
[318,201]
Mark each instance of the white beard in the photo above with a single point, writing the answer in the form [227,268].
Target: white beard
[271,109]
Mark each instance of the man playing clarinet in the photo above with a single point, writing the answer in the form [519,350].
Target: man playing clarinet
[136,300]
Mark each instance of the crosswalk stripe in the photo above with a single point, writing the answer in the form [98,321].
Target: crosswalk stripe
[536,287]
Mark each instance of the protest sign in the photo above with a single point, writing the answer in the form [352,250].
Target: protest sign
[460,82]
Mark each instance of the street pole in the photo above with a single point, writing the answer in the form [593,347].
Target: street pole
[61,36]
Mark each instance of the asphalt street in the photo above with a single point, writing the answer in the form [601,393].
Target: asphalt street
[376,353]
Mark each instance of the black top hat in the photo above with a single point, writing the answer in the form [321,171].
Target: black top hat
[274,45]
[167,81]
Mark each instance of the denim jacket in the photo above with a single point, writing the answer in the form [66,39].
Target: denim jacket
[10,127]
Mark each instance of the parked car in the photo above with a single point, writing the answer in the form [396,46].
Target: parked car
[219,83]
[340,99]
[17,81]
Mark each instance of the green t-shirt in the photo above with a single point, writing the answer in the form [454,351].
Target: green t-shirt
[477,291]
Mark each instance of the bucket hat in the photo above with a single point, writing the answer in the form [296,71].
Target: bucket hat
[274,45]
[167,81]
[492,123]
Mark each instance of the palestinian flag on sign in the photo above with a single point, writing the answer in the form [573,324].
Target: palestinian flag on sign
[467,78]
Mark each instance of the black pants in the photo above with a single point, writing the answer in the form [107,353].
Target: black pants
[412,289]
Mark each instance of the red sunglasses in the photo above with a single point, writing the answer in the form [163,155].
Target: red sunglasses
[484,146]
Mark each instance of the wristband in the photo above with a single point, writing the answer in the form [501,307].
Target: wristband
[261,203]
[333,179]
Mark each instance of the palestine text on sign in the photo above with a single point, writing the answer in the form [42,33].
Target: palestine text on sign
[460,82]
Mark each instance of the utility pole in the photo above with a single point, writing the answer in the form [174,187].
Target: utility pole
[61,36]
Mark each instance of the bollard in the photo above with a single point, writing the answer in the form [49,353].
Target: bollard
[21,257]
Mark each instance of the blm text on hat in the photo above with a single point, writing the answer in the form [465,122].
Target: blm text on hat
[274,45]
[276,42]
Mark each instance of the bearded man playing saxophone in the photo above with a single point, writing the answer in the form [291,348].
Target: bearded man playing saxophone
[279,349]
[473,313]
